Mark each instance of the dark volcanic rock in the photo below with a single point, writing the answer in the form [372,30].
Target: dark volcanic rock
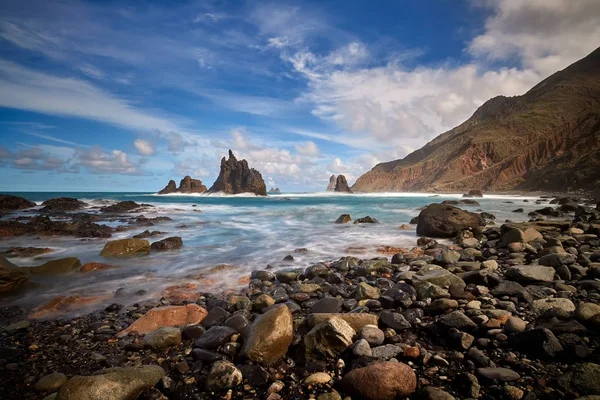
[43,225]
[438,220]
[62,204]
[170,243]
[122,206]
[237,177]
[12,278]
[8,202]
[187,185]
[473,193]
[341,185]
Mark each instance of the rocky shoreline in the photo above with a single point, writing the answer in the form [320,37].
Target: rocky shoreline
[508,311]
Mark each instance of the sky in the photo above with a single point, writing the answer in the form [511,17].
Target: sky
[125,95]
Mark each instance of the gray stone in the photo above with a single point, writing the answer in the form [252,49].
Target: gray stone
[327,305]
[515,325]
[361,348]
[458,320]
[500,374]
[366,291]
[556,260]
[583,379]
[394,320]
[386,352]
[214,337]
[539,306]
[372,334]
[51,382]
[531,274]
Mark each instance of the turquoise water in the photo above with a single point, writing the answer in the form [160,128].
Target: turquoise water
[245,232]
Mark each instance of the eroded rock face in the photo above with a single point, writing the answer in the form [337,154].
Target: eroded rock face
[439,220]
[381,381]
[9,202]
[187,185]
[331,185]
[237,177]
[341,185]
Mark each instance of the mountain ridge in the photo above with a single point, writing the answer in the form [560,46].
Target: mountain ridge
[547,139]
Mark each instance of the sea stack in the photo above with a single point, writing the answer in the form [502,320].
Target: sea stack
[187,185]
[341,185]
[237,177]
[274,191]
[331,186]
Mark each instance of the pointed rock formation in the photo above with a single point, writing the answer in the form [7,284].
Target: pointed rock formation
[341,185]
[274,191]
[187,185]
[331,186]
[237,177]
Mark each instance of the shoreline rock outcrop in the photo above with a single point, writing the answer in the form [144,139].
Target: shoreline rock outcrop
[186,185]
[12,203]
[237,177]
[341,185]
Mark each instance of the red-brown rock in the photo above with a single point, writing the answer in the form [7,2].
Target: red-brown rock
[381,381]
[190,314]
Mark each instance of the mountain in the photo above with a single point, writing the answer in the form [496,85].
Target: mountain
[237,177]
[547,139]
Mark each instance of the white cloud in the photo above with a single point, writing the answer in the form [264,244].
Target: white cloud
[114,162]
[27,89]
[144,147]
[308,148]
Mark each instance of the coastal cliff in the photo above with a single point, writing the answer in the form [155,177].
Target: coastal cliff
[547,139]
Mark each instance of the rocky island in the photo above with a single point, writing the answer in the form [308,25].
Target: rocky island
[237,177]
[338,184]
[187,185]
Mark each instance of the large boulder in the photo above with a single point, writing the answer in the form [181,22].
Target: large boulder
[12,278]
[159,317]
[125,248]
[112,384]
[9,202]
[381,381]
[341,185]
[237,177]
[122,206]
[531,274]
[268,338]
[170,243]
[438,220]
[62,204]
[60,266]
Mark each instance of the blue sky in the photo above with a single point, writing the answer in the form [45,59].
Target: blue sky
[123,96]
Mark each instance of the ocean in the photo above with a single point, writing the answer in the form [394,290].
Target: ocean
[243,232]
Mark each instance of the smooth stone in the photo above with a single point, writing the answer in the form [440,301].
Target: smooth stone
[386,352]
[327,305]
[355,320]
[500,374]
[361,348]
[531,274]
[318,378]
[214,337]
[381,381]
[223,375]
[163,338]
[394,320]
[372,334]
[539,306]
[366,291]
[514,325]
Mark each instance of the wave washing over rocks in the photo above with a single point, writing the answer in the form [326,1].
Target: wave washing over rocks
[473,308]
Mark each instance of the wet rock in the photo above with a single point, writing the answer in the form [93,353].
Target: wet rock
[540,342]
[191,332]
[531,274]
[381,381]
[26,251]
[583,379]
[458,320]
[166,316]
[366,220]
[163,338]
[268,338]
[62,204]
[54,267]
[499,374]
[263,301]
[125,248]
[96,266]
[394,320]
[215,337]
[318,378]
[366,291]
[356,320]
[328,339]
[216,316]
[112,384]
[223,375]
[121,207]
[327,305]
[51,382]
[438,220]
[287,276]
[437,276]
[343,219]
[170,243]
[11,203]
